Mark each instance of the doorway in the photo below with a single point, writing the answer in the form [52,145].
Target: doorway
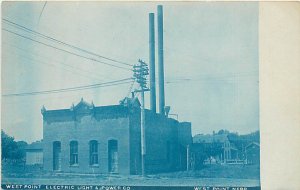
[113,156]
[56,156]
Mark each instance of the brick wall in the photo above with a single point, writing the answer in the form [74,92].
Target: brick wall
[161,131]
[184,138]
[83,130]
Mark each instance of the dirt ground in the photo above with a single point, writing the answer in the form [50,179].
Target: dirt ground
[212,175]
[219,171]
[139,181]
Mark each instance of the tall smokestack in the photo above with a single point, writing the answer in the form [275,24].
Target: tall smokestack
[152,62]
[160,59]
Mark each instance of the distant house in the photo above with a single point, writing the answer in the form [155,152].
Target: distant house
[219,145]
[252,151]
[34,153]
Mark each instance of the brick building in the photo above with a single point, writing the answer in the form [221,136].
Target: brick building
[107,139]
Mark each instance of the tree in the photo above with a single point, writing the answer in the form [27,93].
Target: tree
[10,148]
[222,131]
[215,149]
[21,152]
[198,155]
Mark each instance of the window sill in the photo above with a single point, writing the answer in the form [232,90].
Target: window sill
[74,166]
[94,166]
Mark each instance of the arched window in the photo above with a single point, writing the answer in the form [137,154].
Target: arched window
[73,153]
[93,152]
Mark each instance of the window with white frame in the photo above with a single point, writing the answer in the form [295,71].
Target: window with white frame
[73,153]
[93,152]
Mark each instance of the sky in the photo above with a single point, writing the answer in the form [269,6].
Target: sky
[211,60]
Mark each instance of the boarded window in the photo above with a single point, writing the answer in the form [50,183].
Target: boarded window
[93,152]
[73,153]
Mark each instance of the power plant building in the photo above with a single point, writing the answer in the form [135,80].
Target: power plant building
[107,139]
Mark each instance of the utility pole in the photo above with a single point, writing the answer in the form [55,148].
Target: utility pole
[141,71]
[187,157]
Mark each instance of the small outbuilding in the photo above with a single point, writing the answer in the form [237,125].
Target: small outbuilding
[34,153]
[252,151]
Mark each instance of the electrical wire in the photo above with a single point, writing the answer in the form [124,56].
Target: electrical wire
[105,84]
[66,51]
[130,88]
[74,70]
[63,43]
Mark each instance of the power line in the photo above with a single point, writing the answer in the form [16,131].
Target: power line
[42,10]
[222,77]
[105,84]
[61,42]
[73,71]
[130,88]
[89,74]
[92,59]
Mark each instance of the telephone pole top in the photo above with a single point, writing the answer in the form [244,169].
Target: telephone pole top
[141,71]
